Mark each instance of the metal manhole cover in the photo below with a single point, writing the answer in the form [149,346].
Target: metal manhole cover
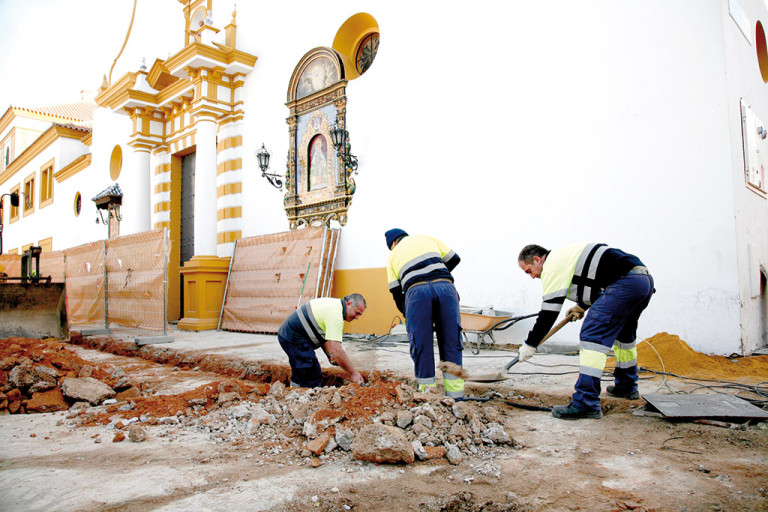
[704,406]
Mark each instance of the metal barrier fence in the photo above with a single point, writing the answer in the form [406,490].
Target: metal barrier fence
[122,281]
[270,276]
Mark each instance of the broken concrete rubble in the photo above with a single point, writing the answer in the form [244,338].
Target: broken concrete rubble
[382,444]
[87,389]
[316,422]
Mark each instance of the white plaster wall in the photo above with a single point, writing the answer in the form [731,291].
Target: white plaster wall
[751,210]
[538,122]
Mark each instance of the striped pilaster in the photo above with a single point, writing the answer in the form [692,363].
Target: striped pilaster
[229,164]
[161,190]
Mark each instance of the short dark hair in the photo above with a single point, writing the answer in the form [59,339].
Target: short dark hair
[355,299]
[531,250]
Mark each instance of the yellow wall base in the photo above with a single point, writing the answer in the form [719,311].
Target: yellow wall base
[205,278]
[381,313]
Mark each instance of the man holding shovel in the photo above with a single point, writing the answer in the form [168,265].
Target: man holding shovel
[616,287]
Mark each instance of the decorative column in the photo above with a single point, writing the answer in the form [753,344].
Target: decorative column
[161,189]
[205,275]
[205,185]
[136,207]
[229,187]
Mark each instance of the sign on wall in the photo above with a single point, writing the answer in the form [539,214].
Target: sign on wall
[755,149]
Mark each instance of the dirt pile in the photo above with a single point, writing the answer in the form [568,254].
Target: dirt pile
[43,376]
[668,353]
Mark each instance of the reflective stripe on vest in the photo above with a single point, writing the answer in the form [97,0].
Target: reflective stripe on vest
[310,325]
[582,286]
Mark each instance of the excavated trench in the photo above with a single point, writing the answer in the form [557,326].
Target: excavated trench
[259,372]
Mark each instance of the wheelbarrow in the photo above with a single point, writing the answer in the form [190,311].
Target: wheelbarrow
[482,322]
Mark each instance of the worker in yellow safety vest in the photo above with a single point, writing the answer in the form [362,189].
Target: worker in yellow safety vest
[419,275]
[615,287]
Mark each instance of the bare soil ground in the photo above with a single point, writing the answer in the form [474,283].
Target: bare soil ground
[200,441]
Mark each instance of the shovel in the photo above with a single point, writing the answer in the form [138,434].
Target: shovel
[503,375]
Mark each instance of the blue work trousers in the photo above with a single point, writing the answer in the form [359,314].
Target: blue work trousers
[305,368]
[613,319]
[428,306]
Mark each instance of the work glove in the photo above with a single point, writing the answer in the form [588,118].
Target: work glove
[576,313]
[525,352]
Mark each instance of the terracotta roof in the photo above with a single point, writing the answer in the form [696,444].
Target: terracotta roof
[80,113]
[81,127]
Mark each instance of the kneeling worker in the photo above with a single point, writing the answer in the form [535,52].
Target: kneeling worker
[616,287]
[319,324]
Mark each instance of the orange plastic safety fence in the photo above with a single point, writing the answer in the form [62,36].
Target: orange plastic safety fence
[84,271]
[136,280]
[267,277]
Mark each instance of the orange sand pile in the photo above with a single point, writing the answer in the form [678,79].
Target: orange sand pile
[682,360]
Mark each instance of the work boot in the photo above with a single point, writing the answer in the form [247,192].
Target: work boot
[571,412]
[629,395]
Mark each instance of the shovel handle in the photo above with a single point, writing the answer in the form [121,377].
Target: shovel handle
[559,326]
[512,363]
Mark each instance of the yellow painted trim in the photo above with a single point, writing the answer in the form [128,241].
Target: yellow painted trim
[226,237]
[230,142]
[29,192]
[229,188]
[11,217]
[234,212]
[162,168]
[162,187]
[163,206]
[349,37]
[47,168]
[46,139]
[230,165]
[200,50]
[78,164]
[46,244]
[381,312]
[161,225]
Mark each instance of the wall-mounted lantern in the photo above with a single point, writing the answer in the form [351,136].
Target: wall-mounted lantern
[340,139]
[262,156]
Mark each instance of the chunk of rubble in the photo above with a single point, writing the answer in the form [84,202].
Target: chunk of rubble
[318,444]
[136,434]
[320,420]
[453,454]
[86,389]
[382,444]
[47,401]
[496,433]
[404,418]
[344,439]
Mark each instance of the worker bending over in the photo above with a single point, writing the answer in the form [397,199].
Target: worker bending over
[419,274]
[616,287]
[319,324]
